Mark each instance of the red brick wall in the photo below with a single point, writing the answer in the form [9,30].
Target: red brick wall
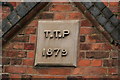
[97,57]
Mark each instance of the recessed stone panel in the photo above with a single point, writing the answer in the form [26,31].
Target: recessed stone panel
[57,43]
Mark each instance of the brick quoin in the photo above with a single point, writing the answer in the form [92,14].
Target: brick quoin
[97,58]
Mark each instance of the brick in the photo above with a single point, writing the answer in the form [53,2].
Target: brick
[21,54]
[29,77]
[114,9]
[114,55]
[59,16]
[85,23]
[14,69]
[81,55]
[28,62]
[109,27]
[100,5]
[5,76]
[75,15]
[16,61]
[29,46]
[96,62]
[21,38]
[85,46]
[30,30]
[46,15]
[97,55]
[74,78]
[106,11]
[33,23]
[18,46]
[110,63]
[82,38]
[14,76]
[94,38]
[112,71]
[114,20]
[84,62]
[13,3]
[22,10]
[13,17]
[31,70]
[87,30]
[61,8]
[9,53]
[59,71]
[88,4]
[95,11]
[33,38]
[107,46]
[90,71]
[101,19]
[5,61]
[30,54]
[114,3]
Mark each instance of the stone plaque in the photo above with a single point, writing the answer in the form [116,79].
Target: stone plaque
[57,43]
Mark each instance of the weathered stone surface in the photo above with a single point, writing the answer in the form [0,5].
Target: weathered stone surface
[13,17]
[100,5]
[49,51]
[107,12]
[95,11]
[109,27]
[22,10]
[116,34]
[30,5]
[114,20]
[101,19]
[5,25]
[88,4]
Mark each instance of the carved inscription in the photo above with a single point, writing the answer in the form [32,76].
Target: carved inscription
[56,33]
[54,52]
[57,43]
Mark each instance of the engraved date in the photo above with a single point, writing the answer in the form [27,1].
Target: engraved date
[54,52]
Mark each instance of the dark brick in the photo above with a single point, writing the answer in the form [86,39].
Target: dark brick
[75,78]
[110,63]
[16,61]
[106,11]
[97,55]
[82,38]
[5,61]
[82,55]
[100,5]
[22,10]
[13,17]
[5,76]
[109,27]
[46,16]
[29,46]
[29,5]
[88,4]
[6,25]
[85,46]
[101,19]
[95,11]
[9,53]
[114,20]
